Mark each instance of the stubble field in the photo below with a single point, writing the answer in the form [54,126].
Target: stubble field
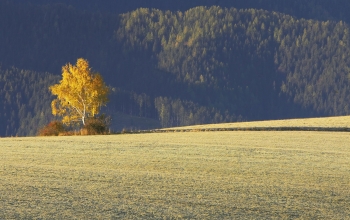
[197,175]
[324,123]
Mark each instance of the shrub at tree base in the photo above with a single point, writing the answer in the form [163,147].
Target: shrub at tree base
[54,128]
[95,126]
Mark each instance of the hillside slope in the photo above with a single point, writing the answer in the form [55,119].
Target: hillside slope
[25,101]
[325,123]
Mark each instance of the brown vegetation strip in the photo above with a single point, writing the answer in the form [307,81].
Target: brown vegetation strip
[329,129]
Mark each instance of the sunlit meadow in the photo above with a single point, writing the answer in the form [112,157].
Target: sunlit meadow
[197,175]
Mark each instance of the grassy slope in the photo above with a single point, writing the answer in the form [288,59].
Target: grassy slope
[326,122]
[211,175]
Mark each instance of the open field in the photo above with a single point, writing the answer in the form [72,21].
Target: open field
[198,175]
[326,122]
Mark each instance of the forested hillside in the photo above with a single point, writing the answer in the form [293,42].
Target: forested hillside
[199,65]
[25,101]
[247,58]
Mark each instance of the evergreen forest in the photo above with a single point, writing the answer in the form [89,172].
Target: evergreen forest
[178,63]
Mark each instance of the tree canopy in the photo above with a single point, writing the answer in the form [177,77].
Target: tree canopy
[80,93]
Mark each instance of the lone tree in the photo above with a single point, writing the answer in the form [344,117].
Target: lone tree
[80,93]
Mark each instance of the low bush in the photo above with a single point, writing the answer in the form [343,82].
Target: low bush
[54,128]
[96,126]
[93,126]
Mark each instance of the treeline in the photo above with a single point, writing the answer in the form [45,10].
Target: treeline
[203,65]
[26,107]
[173,113]
[170,112]
[25,101]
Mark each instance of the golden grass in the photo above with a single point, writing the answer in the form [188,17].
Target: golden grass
[211,175]
[326,122]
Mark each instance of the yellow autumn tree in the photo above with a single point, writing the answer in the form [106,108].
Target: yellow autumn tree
[80,93]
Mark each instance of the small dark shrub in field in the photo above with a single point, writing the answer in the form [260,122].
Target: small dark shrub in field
[54,128]
[95,126]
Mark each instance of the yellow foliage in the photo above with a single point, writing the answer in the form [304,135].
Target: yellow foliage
[80,93]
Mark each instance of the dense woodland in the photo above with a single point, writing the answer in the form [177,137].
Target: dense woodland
[25,101]
[179,64]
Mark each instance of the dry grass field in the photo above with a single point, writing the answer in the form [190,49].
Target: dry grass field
[326,122]
[196,175]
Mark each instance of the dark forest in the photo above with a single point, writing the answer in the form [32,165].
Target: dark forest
[174,64]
